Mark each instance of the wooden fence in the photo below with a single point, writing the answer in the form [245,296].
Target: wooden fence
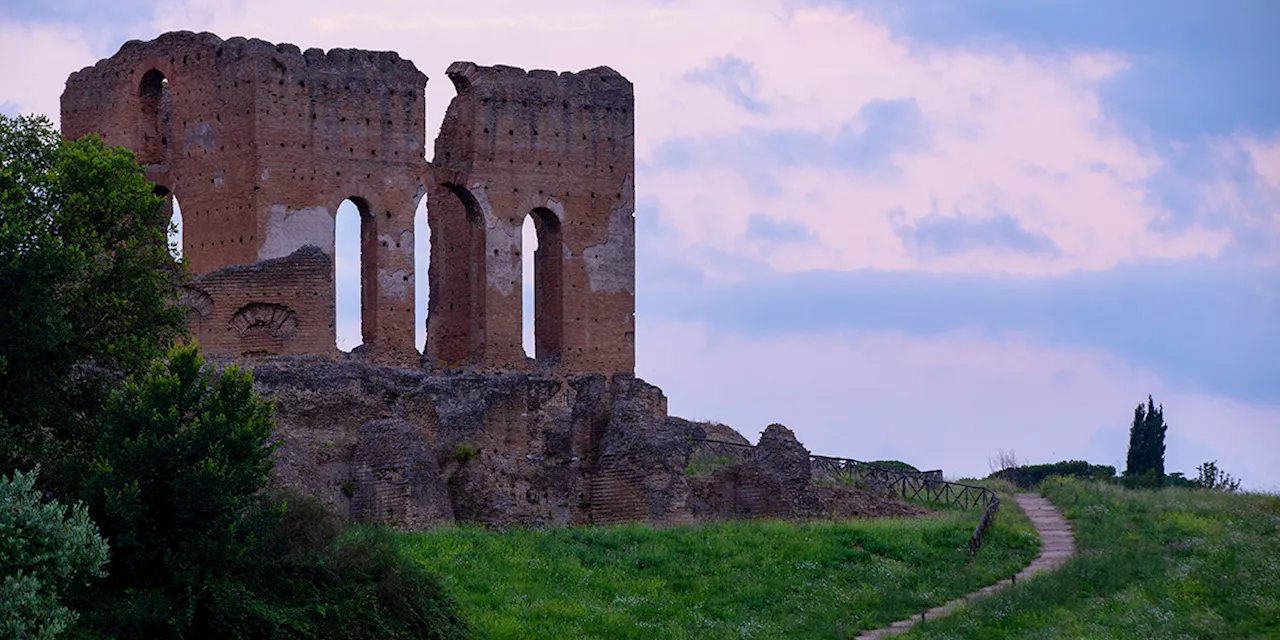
[911,485]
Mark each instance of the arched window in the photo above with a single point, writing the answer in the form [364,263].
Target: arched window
[173,233]
[528,248]
[154,125]
[351,225]
[546,260]
[421,269]
[455,304]
[175,229]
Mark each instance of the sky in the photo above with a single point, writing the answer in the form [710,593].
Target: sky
[920,230]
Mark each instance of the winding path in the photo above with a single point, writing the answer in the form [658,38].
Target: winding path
[1056,545]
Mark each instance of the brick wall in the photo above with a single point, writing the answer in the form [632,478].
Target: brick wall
[261,143]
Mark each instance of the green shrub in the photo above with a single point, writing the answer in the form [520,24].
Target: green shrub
[464,452]
[1180,480]
[895,465]
[44,547]
[85,277]
[1030,476]
[312,577]
[181,456]
[704,463]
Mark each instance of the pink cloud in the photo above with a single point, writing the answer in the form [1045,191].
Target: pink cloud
[947,401]
[53,53]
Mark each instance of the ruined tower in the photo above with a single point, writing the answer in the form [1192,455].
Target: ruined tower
[261,143]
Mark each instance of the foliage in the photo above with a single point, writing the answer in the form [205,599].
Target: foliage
[1144,466]
[705,463]
[762,579]
[44,548]
[170,456]
[313,578]
[464,452]
[1004,460]
[893,465]
[1030,476]
[1211,477]
[86,279]
[1173,563]
[1003,487]
[179,460]
[1179,479]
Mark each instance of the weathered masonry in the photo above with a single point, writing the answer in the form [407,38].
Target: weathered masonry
[261,143]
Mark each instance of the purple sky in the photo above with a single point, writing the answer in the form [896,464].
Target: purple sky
[919,230]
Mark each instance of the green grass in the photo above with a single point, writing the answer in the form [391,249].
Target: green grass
[1176,563]
[703,463]
[724,580]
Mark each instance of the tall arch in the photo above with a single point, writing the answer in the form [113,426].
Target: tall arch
[421,268]
[154,118]
[175,228]
[353,268]
[173,232]
[528,249]
[548,286]
[456,299]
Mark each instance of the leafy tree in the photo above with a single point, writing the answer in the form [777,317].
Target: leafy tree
[313,578]
[1180,480]
[86,281]
[1030,476]
[1211,477]
[1144,465]
[44,548]
[180,458]
[171,457]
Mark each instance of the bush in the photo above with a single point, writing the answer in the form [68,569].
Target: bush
[44,547]
[1211,477]
[179,462]
[177,484]
[1029,476]
[314,578]
[464,452]
[86,279]
[895,465]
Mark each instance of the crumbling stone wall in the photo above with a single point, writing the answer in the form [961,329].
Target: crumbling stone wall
[261,142]
[277,306]
[417,449]
[558,148]
[775,482]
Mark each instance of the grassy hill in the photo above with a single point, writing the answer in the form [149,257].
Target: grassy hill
[726,580]
[1176,563]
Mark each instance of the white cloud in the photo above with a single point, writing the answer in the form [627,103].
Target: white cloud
[1266,157]
[1011,132]
[948,401]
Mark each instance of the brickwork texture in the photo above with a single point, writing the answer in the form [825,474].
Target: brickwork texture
[262,142]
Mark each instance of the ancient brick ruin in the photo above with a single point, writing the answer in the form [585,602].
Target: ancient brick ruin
[262,142]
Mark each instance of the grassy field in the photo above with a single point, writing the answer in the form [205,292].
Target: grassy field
[727,580]
[1178,563]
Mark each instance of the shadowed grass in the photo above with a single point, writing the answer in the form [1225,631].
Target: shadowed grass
[725,580]
[1175,563]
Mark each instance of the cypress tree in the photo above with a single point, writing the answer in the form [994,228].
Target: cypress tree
[1145,462]
[1135,463]
[1156,429]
